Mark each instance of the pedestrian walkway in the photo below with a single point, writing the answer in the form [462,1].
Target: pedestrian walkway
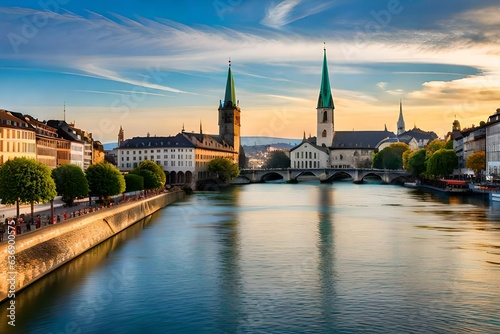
[62,212]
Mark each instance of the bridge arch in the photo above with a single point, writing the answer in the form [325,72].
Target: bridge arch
[272,176]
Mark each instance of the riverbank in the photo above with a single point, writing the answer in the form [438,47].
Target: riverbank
[27,257]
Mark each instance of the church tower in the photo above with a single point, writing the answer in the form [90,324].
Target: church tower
[229,116]
[121,136]
[325,108]
[401,121]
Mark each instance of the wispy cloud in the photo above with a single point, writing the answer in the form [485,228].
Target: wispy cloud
[288,11]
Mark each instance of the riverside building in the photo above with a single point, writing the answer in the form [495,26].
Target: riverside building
[185,156]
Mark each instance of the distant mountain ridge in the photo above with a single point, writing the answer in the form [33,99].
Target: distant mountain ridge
[245,141]
[256,140]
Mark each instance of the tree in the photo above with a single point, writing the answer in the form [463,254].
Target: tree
[24,180]
[416,162]
[390,157]
[277,159]
[225,169]
[133,182]
[434,146]
[153,174]
[476,161]
[70,183]
[442,163]
[105,180]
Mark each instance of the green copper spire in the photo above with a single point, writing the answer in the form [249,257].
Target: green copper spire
[325,99]
[230,97]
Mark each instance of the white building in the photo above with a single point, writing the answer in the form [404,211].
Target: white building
[493,146]
[185,157]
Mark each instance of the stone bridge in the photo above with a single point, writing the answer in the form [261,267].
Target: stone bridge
[323,175]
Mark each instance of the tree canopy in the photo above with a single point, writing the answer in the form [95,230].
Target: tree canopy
[476,161]
[70,183]
[24,180]
[434,146]
[104,180]
[277,159]
[225,169]
[415,163]
[442,163]
[153,174]
[390,157]
[134,182]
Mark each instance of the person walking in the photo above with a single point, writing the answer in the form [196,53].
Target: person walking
[38,222]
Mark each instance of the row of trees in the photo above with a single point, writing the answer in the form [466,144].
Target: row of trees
[437,159]
[24,180]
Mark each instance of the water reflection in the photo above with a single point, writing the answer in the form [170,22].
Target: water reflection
[326,251]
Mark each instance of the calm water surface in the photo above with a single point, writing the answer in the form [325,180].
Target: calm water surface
[280,258]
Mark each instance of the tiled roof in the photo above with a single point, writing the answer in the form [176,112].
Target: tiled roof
[359,139]
[172,141]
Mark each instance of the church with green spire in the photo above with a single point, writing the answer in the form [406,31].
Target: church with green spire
[185,156]
[331,148]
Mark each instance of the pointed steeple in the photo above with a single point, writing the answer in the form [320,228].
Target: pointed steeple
[325,99]
[201,129]
[230,96]
[401,121]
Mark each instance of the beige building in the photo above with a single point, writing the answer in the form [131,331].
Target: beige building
[185,157]
[17,138]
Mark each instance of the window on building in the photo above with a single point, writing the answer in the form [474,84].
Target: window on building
[172,163]
[152,157]
[325,117]
[323,134]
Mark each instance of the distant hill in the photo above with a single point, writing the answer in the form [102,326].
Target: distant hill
[109,146]
[245,141]
[251,141]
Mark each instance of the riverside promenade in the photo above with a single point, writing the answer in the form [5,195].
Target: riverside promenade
[30,256]
[62,212]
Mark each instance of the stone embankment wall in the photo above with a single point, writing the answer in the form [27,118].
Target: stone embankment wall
[39,252]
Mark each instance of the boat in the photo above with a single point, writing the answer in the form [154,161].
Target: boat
[448,186]
[494,196]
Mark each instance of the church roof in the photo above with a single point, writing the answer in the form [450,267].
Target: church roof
[417,134]
[359,139]
[325,99]
[144,142]
[312,144]
[230,96]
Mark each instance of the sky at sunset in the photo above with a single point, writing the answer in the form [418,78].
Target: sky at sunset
[154,66]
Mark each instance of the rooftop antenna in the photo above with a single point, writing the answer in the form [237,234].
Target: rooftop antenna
[64,111]
[229,61]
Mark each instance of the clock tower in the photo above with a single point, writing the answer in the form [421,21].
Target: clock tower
[325,109]
[229,117]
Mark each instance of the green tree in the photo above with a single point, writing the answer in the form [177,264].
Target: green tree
[390,157]
[153,174]
[416,162]
[24,180]
[70,183]
[434,146]
[442,163]
[133,182]
[105,180]
[476,161]
[277,159]
[225,169]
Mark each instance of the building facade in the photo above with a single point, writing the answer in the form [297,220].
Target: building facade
[493,146]
[17,138]
[185,157]
[335,149]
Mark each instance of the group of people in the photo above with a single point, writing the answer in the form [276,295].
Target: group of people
[17,225]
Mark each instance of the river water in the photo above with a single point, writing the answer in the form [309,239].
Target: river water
[284,258]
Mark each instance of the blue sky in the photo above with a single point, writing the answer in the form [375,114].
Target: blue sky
[152,66]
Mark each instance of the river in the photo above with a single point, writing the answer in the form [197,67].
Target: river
[284,258]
